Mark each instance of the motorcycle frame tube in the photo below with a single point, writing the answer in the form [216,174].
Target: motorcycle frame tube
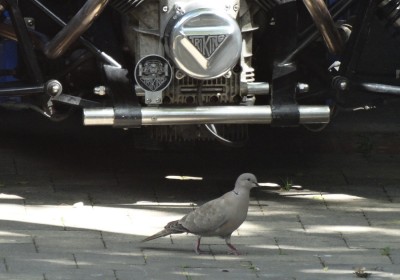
[206,115]
[75,28]
[325,24]
[39,40]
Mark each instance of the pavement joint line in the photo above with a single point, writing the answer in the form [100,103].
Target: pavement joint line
[115,274]
[91,200]
[144,256]
[212,252]
[301,223]
[35,244]
[249,265]
[186,274]
[344,240]
[75,260]
[260,206]
[322,262]
[6,265]
[366,218]
[346,179]
[387,194]
[324,201]
[102,240]
[279,247]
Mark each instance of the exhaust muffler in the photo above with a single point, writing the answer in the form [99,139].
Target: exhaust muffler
[199,115]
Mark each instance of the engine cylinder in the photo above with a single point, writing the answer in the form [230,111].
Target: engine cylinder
[390,9]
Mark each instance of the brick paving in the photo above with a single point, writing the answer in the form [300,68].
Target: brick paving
[76,205]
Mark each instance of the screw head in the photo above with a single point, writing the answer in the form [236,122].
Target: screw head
[179,75]
[301,87]
[343,85]
[100,90]
[54,88]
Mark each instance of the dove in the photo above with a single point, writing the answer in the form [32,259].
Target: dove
[219,217]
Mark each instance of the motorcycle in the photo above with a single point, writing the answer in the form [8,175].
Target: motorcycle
[192,70]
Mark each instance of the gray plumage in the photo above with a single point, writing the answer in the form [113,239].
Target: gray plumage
[219,217]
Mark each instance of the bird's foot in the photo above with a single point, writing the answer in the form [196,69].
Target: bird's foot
[198,251]
[234,252]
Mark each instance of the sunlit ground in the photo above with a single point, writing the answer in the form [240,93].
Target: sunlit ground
[314,227]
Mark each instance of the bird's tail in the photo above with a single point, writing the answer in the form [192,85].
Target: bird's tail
[159,234]
[170,228]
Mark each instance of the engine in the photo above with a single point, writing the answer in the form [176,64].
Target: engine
[180,45]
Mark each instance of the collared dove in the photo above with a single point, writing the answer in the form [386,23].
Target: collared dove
[219,217]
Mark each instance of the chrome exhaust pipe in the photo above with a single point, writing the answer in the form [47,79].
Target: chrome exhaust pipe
[325,24]
[205,115]
[75,27]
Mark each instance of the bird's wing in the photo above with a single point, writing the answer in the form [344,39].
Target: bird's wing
[206,219]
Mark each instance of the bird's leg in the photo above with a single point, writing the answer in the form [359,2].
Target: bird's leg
[197,247]
[229,244]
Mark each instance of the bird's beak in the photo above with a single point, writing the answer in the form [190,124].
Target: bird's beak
[257,185]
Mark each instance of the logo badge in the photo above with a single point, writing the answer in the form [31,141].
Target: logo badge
[207,45]
[153,73]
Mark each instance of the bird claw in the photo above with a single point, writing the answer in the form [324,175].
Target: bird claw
[198,251]
[234,252]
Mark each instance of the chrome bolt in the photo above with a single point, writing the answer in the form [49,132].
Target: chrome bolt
[165,9]
[30,22]
[100,90]
[228,74]
[302,88]
[53,88]
[179,75]
[343,85]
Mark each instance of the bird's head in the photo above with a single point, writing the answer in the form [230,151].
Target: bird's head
[246,181]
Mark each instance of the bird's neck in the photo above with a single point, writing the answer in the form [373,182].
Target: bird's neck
[240,191]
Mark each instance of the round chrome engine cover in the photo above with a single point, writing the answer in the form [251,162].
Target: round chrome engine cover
[204,43]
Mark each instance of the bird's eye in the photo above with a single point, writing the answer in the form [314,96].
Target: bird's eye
[248,179]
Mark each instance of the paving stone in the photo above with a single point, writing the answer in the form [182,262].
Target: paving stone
[69,245]
[137,272]
[16,248]
[107,259]
[162,271]
[40,263]
[81,274]
[220,273]
[21,276]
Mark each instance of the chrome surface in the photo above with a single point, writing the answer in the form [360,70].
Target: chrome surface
[204,43]
[203,115]
[380,88]
[75,28]
[207,114]
[314,114]
[258,88]
[98,116]
[325,24]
